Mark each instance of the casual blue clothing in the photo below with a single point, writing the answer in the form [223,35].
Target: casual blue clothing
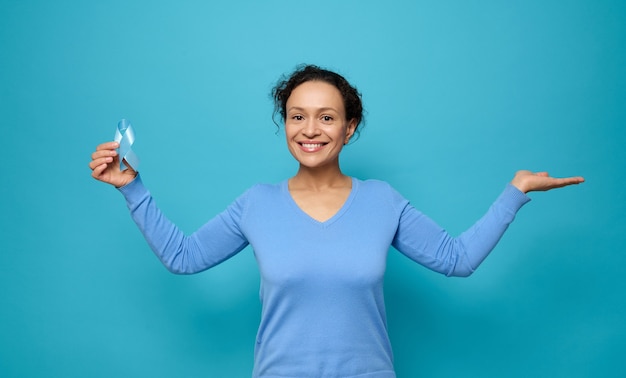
[323,313]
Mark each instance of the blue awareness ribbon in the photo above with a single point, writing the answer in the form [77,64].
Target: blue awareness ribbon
[125,136]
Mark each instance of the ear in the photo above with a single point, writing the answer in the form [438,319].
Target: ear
[350,130]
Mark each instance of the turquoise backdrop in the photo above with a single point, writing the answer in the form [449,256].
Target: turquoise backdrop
[459,94]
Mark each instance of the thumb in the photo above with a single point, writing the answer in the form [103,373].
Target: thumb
[128,168]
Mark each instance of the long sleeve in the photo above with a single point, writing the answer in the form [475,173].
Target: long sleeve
[422,240]
[216,241]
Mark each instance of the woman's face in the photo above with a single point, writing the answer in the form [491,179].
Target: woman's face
[316,125]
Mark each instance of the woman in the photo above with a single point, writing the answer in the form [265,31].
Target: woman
[320,238]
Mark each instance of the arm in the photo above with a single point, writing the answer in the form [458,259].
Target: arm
[217,240]
[424,241]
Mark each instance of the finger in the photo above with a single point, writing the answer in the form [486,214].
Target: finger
[102,153]
[559,183]
[97,162]
[129,168]
[102,160]
[98,170]
[575,180]
[108,146]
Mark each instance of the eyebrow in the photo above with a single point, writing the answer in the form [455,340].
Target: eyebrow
[325,109]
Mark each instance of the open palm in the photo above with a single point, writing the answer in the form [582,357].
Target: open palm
[528,181]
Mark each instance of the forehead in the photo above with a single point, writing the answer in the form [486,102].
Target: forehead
[316,94]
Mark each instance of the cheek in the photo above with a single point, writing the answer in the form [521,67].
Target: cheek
[290,131]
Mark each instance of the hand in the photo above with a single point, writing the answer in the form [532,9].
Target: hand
[105,166]
[527,181]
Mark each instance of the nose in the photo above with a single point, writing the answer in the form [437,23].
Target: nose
[310,129]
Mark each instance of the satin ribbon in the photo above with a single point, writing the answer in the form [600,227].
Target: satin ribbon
[125,136]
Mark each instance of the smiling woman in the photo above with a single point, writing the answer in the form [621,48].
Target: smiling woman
[320,238]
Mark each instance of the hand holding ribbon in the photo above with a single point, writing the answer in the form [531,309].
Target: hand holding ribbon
[125,136]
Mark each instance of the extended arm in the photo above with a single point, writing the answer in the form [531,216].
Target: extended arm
[424,241]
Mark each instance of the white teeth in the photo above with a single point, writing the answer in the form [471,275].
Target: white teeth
[312,145]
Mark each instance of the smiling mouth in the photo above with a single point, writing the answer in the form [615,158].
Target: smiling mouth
[311,147]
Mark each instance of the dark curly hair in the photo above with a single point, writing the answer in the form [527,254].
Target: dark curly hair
[303,73]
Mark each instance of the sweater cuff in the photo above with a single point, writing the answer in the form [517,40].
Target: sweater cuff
[134,191]
[513,198]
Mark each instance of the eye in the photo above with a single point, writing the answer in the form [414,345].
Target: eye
[327,118]
[297,117]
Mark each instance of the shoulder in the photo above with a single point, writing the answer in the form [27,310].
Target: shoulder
[263,189]
[380,191]
[373,185]
[254,199]
[261,192]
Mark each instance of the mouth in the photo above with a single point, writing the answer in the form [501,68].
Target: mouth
[311,147]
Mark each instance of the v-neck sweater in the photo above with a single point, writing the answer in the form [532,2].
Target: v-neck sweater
[284,186]
[323,312]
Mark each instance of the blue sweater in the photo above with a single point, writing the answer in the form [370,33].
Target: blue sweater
[323,313]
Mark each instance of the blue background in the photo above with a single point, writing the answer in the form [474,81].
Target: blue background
[459,96]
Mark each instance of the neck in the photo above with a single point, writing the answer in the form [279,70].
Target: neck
[319,178]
